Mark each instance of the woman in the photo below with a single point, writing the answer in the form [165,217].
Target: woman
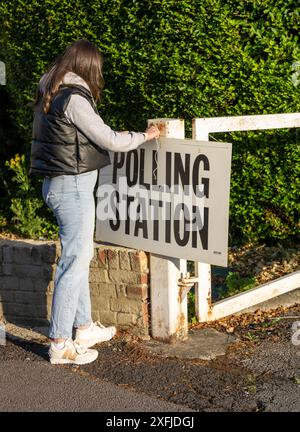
[70,143]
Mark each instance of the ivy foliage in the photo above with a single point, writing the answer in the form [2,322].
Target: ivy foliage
[169,58]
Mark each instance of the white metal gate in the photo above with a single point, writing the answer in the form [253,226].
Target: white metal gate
[169,276]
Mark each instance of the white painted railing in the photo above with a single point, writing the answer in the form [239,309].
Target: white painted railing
[168,308]
[205,311]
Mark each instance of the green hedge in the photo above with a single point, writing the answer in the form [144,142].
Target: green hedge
[186,59]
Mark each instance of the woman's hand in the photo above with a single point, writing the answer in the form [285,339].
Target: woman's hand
[152,132]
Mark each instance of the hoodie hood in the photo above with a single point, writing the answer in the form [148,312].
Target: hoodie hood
[69,78]
[73,78]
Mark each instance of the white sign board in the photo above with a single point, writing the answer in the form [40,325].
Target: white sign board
[169,197]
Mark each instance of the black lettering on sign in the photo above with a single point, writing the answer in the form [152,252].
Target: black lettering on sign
[132,170]
[180,171]
[115,225]
[117,164]
[181,241]
[168,168]
[205,182]
[141,224]
[127,222]
[203,228]
[168,223]
[201,158]
[156,204]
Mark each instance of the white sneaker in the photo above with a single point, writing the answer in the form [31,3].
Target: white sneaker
[96,333]
[72,352]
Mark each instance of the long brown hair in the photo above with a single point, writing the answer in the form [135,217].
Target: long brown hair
[81,57]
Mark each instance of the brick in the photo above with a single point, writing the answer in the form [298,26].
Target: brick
[107,290]
[7,269]
[94,294]
[124,276]
[94,288]
[139,261]
[22,254]
[144,278]
[10,282]
[93,256]
[27,284]
[27,270]
[40,311]
[48,272]
[7,295]
[121,290]
[95,315]
[126,319]
[50,253]
[108,317]
[7,309]
[143,322]
[94,262]
[26,310]
[28,297]
[113,259]
[124,260]
[101,295]
[139,291]
[7,254]
[40,285]
[126,305]
[129,278]
[101,254]
[36,255]
[117,292]
[100,304]
[145,313]
[29,321]
[98,275]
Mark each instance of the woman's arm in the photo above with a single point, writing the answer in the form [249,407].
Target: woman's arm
[81,114]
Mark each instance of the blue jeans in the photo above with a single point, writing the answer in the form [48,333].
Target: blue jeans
[71,198]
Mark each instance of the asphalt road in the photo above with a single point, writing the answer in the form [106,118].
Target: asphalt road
[259,372]
[39,386]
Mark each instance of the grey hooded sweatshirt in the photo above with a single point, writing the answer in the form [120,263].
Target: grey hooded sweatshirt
[80,112]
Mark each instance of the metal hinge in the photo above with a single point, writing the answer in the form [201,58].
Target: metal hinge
[185,283]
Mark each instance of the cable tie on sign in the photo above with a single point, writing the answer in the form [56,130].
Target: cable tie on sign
[154,172]
[212,137]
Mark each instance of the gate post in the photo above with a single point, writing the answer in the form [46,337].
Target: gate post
[202,270]
[169,319]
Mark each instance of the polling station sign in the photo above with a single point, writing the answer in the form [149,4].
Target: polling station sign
[170,197]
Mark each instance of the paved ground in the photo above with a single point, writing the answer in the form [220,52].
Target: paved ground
[259,372]
[36,386]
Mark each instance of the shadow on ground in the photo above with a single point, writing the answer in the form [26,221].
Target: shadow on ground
[259,372]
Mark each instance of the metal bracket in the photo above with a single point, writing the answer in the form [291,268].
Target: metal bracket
[185,283]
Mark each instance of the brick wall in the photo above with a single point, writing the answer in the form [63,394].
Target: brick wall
[119,284]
